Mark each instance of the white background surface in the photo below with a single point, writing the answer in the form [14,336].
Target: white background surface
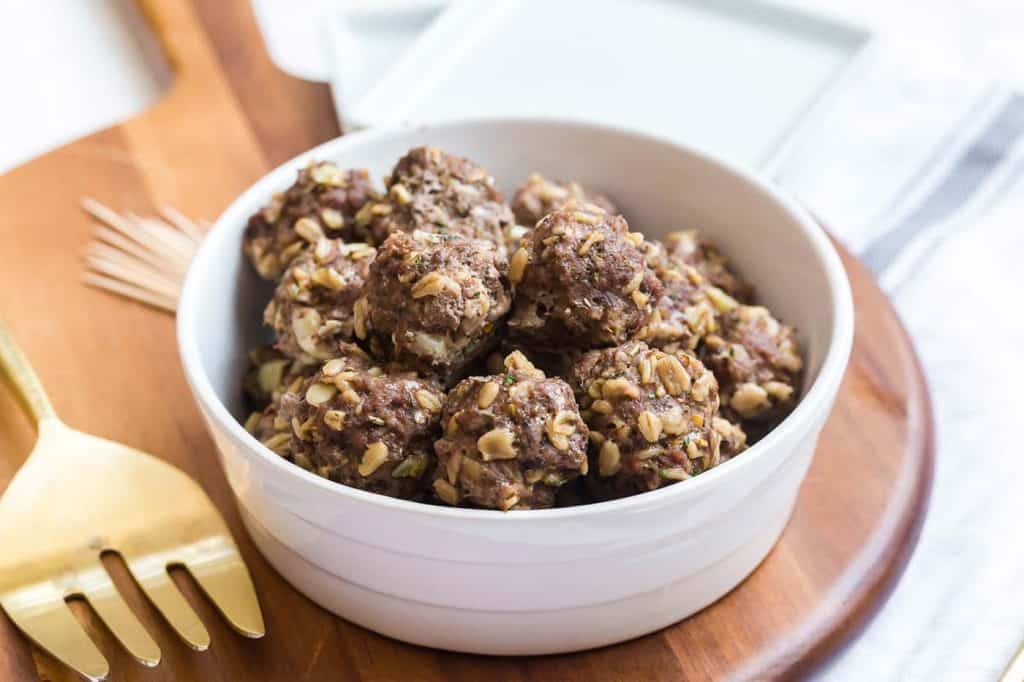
[68,66]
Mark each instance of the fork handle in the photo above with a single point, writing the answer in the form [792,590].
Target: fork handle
[16,371]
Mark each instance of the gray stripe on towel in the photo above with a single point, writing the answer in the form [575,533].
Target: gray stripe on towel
[984,155]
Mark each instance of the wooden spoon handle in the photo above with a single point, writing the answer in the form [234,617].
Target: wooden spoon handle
[23,380]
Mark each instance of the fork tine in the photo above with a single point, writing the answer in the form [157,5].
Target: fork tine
[41,613]
[218,568]
[108,603]
[151,574]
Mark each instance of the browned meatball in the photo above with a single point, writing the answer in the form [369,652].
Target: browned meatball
[366,428]
[580,281]
[683,313]
[323,202]
[650,416]
[435,192]
[757,361]
[692,248]
[539,196]
[433,301]
[311,311]
[510,440]
[270,377]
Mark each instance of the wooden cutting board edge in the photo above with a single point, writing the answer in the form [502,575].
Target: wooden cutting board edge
[879,568]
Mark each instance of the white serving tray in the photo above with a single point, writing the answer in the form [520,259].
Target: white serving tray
[735,77]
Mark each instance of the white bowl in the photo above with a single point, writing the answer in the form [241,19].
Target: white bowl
[544,581]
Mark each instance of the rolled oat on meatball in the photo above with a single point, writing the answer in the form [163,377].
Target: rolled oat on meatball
[692,248]
[553,363]
[366,428]
[511,440]
[431,191]
[757,361]
[271,429]
[650,415]
[269,373]
[580,281]
[734,438]
[269,377]
[312,308]
[323,202]
[432,302]
[539,196]
[514,234]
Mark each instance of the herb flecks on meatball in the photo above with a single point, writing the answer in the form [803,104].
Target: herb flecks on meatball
[433,302]
[539,196]
[757,360]
[692,248]
[431,191]
[511,440]
[581,281]
[312,308]
[323,202]
[366,428]
[650,415]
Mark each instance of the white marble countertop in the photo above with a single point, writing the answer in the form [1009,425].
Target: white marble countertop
[958,612]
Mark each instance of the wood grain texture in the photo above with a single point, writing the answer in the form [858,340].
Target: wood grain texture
[112,369]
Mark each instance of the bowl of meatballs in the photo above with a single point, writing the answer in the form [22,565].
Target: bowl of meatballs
[514,386]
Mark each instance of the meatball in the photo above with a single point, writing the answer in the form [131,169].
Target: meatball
[539,196]
[366,428]
[510,440]
[435,192]
[684,312]
[323,202]
[433,301]
[271,376]
[757,361]
[692,248]
[312,306]
[581,281]
[650,415]
[690,304]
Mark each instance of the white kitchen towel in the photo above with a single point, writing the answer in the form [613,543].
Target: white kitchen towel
[923,176]
[958,611]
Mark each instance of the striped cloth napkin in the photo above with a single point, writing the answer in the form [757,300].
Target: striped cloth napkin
[923,178]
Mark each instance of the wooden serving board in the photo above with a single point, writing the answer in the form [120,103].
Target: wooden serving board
[112,369]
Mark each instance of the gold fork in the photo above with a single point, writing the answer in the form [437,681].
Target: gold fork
[78,496]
